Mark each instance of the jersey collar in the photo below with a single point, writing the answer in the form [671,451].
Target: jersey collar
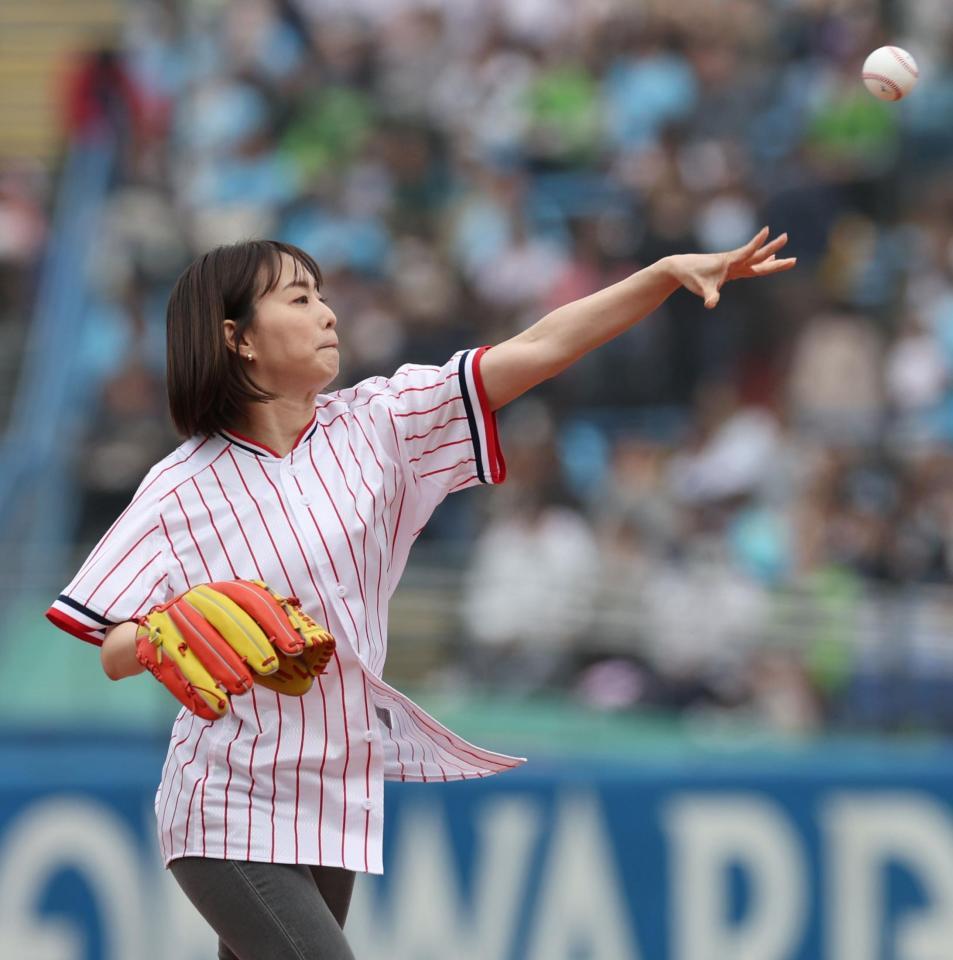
[261,450]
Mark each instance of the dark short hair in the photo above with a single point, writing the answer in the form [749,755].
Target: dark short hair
[209,386]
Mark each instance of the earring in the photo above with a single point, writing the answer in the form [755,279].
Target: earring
[250,356]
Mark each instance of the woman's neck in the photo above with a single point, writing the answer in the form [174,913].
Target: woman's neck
[278,423]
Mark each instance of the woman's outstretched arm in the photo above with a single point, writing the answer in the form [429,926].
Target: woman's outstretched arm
[560,338]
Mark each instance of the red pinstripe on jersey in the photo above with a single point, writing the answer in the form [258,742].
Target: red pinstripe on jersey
[168,774]
[238,524]
[195,473]
[453,466]
[130,540]
[228,783]
[284,779]
[261,517]
[337,513]
[154,475]
[324,760]
[367,773]
[421,413]
[297,804]
[449,443]
[400,513]
[211,520]
[439,426]
[374,517]
[188,816]
[178,795]
[428,755]
[361,579]
[395,394]
[347,760]
[125,589]
[251,767]
[333,566]
[195,543]
[274,777]
[79,629]
[175,553]
[202,804]
[150,596]
[118,562]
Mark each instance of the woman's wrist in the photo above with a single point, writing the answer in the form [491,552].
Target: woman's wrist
[669,268]
[118,653]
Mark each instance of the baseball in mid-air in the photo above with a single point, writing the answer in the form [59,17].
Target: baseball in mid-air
[890,73]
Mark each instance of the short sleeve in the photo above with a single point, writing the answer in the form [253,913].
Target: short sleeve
[445,424]
[123,576]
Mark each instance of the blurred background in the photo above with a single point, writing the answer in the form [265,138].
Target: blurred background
[712,600]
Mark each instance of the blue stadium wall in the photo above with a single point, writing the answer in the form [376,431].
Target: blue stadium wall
[840,853]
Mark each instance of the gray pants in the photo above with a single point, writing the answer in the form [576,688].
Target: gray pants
[270,911]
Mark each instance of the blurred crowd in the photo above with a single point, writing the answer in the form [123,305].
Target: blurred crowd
[747,512]
[24,204]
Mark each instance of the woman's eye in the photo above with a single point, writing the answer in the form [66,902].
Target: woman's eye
[302,299]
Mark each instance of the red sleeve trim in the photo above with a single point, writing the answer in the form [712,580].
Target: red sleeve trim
[74,627]
[494,451]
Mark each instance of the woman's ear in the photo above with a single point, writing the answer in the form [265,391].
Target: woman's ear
[244,348]
[229,327]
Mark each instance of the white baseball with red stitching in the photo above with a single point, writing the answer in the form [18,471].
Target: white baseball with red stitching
[890,73]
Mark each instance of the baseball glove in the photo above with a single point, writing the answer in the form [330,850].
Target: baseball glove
[215,640]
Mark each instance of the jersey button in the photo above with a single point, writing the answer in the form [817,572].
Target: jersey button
[340,590]
[368,804]
[368,737]
[306,501]
[293,471]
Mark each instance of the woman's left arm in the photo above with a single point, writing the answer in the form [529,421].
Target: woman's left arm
[560,338]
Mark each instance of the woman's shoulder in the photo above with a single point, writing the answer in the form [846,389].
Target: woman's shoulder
[361,394]
[408,377]
[186,460]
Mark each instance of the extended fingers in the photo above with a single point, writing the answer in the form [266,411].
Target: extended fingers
[743,253]
[768,250]
[772,265]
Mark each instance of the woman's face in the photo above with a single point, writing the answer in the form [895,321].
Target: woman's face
[292,339]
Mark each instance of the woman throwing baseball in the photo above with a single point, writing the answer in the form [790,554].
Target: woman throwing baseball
[269,802]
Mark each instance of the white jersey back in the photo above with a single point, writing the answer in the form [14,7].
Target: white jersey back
[300,779]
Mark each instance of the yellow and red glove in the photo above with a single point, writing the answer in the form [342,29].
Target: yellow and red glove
[215,640]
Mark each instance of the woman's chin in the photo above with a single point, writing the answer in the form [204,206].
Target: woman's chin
[327,376]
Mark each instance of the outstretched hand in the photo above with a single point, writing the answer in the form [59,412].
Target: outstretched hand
[706,273]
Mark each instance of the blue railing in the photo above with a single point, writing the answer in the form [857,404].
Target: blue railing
[35,508]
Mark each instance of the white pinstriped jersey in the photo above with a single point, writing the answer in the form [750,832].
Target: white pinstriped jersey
[300,779]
